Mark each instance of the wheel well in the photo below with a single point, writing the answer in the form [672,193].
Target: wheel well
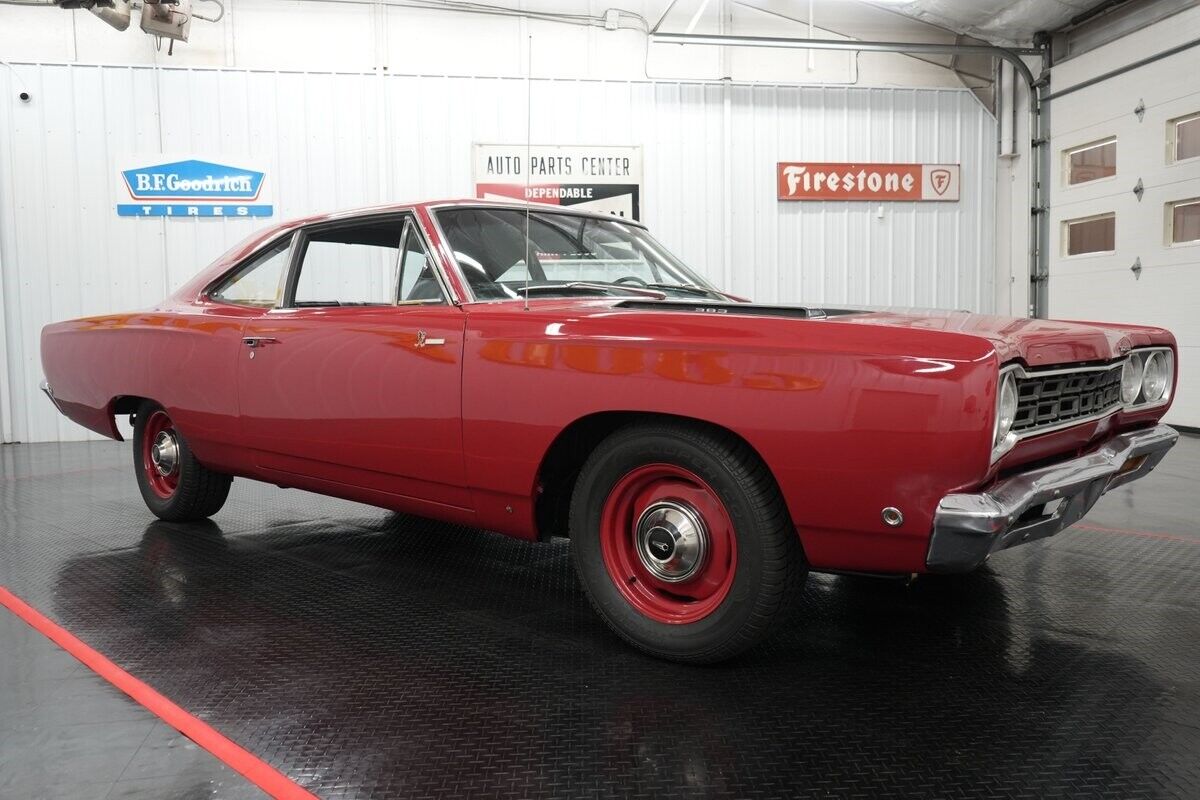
[124,404]
[570,449]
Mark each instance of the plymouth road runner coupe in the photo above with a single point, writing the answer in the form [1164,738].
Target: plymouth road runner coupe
[549,373]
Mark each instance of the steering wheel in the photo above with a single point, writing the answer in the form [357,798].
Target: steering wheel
[631,279]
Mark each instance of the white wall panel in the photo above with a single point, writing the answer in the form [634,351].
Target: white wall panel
[342,140]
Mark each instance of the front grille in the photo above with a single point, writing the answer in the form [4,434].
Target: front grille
[1045,401]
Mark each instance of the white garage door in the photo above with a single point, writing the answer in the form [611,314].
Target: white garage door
[1110,228]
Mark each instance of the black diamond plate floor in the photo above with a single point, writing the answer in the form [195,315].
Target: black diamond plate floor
[369,655]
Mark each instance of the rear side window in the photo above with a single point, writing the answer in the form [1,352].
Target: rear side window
[259,283]
[356,264]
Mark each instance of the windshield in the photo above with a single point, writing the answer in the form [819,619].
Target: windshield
[568,254]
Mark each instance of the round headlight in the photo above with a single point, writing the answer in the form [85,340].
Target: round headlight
[1006,408]
[1131,379]
[1157,377]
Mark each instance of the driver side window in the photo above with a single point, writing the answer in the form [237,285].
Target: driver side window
[354,264]
[372,262]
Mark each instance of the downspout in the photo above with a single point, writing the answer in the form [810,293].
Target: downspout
[1039,225]
[1039,164]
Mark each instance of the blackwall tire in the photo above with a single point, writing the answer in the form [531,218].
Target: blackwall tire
[175,486]
[683,542]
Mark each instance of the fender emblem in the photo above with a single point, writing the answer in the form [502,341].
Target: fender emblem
[423,340]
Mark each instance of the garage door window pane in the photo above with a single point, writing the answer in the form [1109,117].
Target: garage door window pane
[1092,162]
[1092,235]
[1187,137]
[1185,221]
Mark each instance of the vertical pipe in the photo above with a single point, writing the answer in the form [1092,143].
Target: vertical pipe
[812,54]
[1041,222]
[727,146]
[1006,110]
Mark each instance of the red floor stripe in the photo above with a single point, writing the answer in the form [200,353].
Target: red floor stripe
[1166,537]
[257,771]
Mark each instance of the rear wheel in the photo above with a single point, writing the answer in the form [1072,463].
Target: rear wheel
[683,542]
[175,486]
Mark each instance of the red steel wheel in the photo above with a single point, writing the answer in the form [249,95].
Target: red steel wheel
[160,454]
[668,543]
[174,484]
[682,540]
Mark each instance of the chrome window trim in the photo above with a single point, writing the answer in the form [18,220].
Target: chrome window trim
[537,208]
[407,215]
[1013,439]
[448,254]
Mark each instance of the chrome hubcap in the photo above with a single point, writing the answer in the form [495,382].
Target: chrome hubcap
[164,453]
[671,540]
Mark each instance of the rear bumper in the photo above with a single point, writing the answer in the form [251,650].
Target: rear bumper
[45,387]
[967,528]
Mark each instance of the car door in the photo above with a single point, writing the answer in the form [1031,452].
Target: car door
[354,380]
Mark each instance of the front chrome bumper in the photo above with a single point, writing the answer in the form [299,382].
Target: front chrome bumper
[967,528]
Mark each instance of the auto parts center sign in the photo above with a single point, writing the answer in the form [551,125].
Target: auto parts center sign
[157,186]
[607,179]
[849,181]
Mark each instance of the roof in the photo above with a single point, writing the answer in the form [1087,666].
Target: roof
[433,205]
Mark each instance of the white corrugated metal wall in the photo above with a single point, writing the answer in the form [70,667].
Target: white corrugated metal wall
[340,140]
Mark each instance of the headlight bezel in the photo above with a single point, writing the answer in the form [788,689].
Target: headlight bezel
[1004,441]
[1142,402]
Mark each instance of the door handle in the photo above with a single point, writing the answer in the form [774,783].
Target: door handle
[258,341]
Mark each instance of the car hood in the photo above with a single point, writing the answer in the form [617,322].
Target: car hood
[1038,342]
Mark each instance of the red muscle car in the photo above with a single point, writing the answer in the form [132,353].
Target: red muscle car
[544,373]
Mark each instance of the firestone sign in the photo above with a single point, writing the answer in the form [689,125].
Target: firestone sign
[847,181]
[191,188]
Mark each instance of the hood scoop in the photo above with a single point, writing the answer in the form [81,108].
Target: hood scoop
[738,309]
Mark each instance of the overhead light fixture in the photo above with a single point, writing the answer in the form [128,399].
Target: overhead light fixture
[170,19]
[116,15]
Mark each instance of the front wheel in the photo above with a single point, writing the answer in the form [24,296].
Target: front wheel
[175,486]
[683,542]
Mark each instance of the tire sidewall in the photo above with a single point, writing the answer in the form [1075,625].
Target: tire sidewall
[614,459]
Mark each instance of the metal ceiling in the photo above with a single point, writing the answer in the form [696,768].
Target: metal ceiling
[1002,22]
[997,21]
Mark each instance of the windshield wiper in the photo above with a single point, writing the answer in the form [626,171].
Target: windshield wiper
[693,289]
[590,287]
